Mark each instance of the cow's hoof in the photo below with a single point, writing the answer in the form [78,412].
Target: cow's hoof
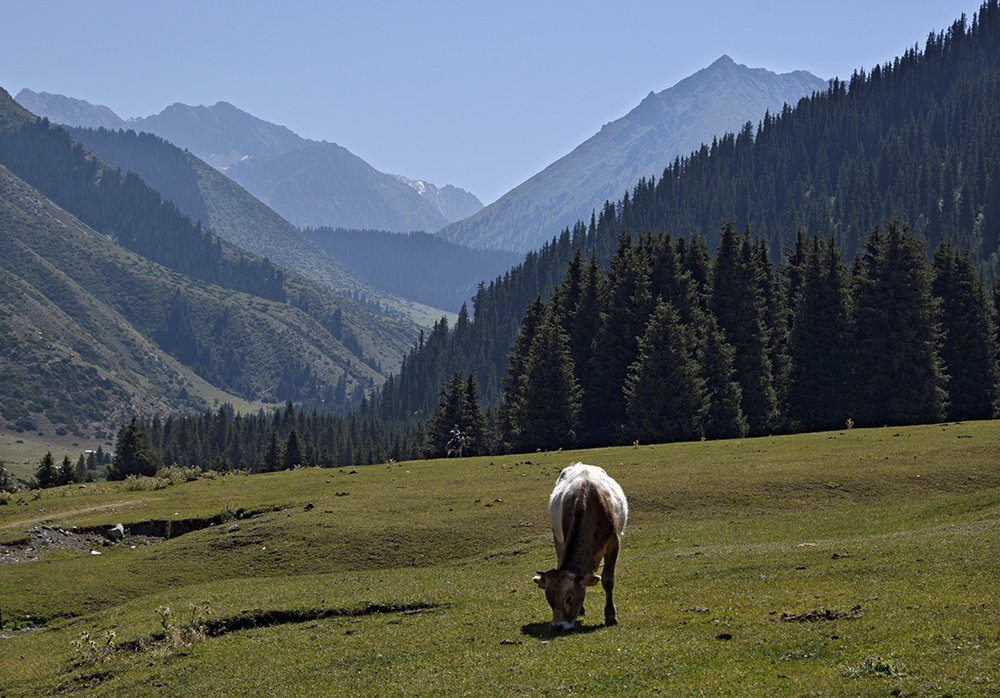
[611,621]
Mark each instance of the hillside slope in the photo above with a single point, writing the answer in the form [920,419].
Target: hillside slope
[675,122]
[324,184]
[203,193]
[210,323]
[84,321]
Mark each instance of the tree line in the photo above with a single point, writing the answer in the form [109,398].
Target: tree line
[668,343]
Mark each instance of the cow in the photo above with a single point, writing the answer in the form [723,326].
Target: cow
[588,511]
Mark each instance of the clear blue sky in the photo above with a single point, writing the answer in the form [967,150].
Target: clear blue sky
[481,95]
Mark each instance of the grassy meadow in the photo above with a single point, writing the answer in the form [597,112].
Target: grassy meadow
[852,563]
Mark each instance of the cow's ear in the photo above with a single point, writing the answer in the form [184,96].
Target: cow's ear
[589,580]
[539,580]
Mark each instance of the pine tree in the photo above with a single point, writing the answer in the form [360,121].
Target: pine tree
[626,307]
[724,419]
[969,348]
[900,377]
[517,362]
[473,423]
[274,456]
[547,413]
[293,455]
[46,475]
[740,308]
[67,472]
[666,394]
[133,455]
[819,343]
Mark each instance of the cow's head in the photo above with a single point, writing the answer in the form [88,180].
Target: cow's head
[565,592]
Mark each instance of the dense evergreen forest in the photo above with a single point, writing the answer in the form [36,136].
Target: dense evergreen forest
[718,300]
[917,140]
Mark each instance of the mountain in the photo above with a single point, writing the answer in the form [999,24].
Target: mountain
[307,182]
[60,109]
[720,98]
[112,303]
[325,184]
[914,140]
[453,203]
[221,135]
[203,193]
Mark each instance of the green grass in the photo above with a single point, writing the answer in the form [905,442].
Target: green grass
[848,563]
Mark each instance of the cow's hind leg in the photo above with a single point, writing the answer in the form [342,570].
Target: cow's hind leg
[608,582]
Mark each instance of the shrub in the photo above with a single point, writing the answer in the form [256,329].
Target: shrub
[141,483]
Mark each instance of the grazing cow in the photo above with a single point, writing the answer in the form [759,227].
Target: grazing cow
[588,511]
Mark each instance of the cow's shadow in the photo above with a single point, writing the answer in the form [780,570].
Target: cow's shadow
[540,631]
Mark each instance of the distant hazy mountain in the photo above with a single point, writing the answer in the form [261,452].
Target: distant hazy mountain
[67,110]
[221,135]
[718,99]
[453,203]
[309,183]
[404,282]
[325,184]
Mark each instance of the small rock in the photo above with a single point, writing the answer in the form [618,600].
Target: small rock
[116,532]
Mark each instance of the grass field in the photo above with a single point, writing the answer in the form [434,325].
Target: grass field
[852,563]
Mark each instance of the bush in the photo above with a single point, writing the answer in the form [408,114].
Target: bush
[176,473]
[141,483]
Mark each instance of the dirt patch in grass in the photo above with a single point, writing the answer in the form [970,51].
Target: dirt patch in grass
[259,618]
[29,546]
[249,620]
[822,614]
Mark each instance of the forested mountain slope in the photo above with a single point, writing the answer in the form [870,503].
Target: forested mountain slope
[115,288]
[676,121]
[917,140]
[204,194]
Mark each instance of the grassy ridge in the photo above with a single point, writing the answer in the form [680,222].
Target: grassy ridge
[845,563]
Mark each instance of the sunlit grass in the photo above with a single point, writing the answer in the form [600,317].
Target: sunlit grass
[848,563]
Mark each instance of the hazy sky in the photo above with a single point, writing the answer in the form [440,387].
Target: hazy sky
[481,95]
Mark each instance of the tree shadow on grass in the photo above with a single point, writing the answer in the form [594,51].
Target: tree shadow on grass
[540,631]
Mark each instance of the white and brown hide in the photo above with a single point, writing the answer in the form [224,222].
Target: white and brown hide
[588,511]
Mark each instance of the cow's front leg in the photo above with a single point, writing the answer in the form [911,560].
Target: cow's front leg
[608,582]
